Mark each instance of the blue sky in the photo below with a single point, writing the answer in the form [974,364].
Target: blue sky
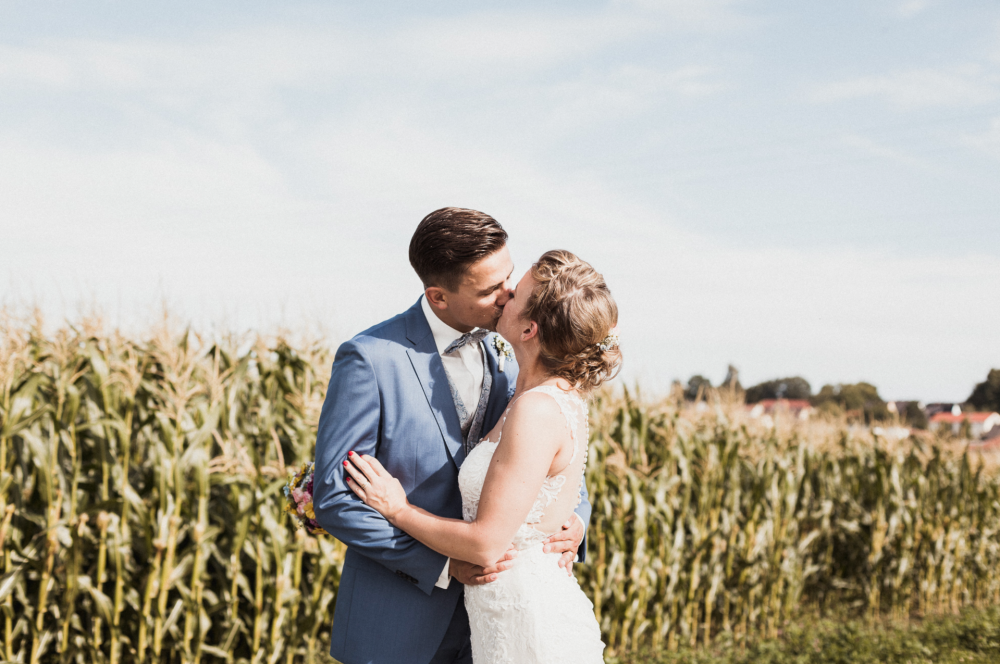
[794,188]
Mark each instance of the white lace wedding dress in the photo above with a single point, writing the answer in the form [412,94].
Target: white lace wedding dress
[534,612]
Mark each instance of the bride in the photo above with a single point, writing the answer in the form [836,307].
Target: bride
[522,481]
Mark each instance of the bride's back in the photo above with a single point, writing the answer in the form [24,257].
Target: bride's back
[564,465]
[560,492]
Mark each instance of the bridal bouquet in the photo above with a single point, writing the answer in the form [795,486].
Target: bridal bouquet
[299,497]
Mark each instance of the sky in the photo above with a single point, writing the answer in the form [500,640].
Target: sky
[793,188]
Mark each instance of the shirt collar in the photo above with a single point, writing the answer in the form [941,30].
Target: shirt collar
[443,333]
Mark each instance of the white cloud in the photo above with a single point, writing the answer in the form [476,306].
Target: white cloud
[248,59]
[481,43]
[265,57]
[988,141]
[241,207]
[217,229]
[889,153]
[959,86]
[695,15]
[910,8]
[474,44]
[617,93]
[185,175]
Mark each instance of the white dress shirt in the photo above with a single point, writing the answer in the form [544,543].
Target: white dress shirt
[465,369]
[464,366]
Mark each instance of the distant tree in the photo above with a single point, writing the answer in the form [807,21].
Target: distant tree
[986,395]
[794,387]
[831,408]
[732,380]
[858,398]
[677,392]
[915,415]
[697,386]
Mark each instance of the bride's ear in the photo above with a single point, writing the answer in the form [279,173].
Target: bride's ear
[529,332]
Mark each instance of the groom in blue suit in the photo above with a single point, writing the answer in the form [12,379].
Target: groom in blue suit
[417,392]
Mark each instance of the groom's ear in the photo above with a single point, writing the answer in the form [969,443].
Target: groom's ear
[436,297]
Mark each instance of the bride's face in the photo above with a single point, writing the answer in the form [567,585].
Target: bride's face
[511,325]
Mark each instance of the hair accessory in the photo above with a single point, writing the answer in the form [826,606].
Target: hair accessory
[610,341]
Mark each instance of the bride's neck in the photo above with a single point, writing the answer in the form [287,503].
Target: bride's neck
[530,373]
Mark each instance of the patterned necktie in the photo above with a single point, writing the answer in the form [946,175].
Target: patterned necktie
[475,337]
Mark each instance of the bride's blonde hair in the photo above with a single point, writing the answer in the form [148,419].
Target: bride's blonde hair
[575,314]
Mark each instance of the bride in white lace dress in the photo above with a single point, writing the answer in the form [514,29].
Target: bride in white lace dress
[522,482]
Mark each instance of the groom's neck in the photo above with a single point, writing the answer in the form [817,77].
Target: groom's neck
[449,320]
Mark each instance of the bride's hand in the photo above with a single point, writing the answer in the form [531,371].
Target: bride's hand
[375,486]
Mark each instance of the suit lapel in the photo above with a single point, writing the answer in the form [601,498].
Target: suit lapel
[500,393]
[430,372]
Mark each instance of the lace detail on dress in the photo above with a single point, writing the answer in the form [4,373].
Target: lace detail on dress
[534,613]
[546,496]
[470,482]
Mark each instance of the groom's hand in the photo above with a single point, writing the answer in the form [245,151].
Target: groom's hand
[475,575]
[567,542]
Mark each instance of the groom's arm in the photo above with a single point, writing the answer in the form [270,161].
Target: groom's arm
[351,420]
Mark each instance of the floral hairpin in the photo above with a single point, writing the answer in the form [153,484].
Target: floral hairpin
[610,341]
[504,350]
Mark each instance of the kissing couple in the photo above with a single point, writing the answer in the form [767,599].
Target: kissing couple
[451,452]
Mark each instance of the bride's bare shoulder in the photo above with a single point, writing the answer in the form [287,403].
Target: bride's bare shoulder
[535,403]
[538,413]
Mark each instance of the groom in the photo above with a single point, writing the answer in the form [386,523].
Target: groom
[418,391]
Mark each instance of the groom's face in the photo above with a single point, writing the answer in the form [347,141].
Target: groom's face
[481,295]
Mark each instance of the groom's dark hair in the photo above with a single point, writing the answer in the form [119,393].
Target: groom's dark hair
[451,239]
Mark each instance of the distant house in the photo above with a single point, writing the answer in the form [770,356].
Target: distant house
[933,409]
[797,408]
[980,424]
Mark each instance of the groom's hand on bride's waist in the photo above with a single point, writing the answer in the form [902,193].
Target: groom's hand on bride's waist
[567,542]
[475,575]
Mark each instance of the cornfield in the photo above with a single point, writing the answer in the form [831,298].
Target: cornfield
[142,518]
[704,525]
[140,491]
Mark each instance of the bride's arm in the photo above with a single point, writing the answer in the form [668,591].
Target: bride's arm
[532,436]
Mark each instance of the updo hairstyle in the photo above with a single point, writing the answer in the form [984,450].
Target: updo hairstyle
[575,313]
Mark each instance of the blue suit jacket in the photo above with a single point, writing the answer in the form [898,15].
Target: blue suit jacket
[389,397]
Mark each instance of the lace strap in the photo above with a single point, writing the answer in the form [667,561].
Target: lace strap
[568,409]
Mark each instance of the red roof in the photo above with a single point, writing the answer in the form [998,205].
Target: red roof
[958,419]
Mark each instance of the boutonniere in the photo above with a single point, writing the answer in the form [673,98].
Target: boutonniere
[504,351]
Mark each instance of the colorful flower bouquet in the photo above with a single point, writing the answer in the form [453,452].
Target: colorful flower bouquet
[299,497]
